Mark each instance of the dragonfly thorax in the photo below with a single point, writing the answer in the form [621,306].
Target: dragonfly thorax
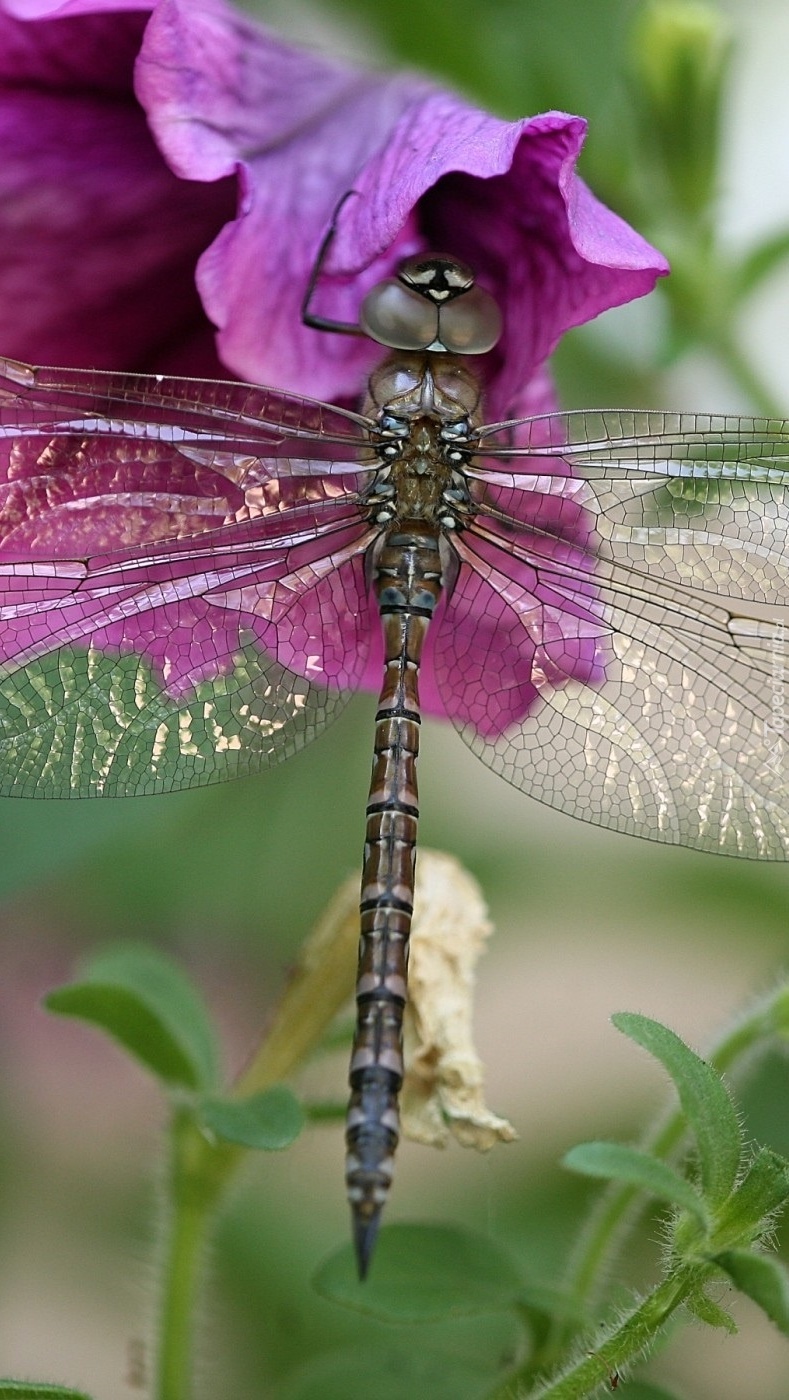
[427,409]
[412,386]
[432,304]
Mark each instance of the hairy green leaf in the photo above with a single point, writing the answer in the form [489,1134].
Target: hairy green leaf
[707,1311]
[763,1278]
[423,1273]
[615,1163]
[762,1190]
[145,1002]
[705,1102]
[268,1121]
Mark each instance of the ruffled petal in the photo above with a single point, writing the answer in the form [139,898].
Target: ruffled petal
[136,145]
[98,237]
[224,97]
[426,169]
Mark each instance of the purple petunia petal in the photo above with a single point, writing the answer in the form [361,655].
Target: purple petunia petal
[223,97]
[61,9]
[136,144]
[98,237]
[108,280]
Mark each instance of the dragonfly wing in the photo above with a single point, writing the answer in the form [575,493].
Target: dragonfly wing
[176,606]
[707,445]
[631,624]
[219,415]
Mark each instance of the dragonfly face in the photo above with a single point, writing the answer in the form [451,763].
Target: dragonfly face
[433,304]
[193,574]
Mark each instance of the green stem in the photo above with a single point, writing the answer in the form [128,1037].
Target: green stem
[625,1342]
[612,1214]
[200,1168]
[723,349]
[192,1200]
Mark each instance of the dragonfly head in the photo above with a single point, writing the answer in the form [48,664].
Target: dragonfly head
[432,304]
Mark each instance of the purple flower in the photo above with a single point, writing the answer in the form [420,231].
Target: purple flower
[98,236]
[117,173]
[127,137]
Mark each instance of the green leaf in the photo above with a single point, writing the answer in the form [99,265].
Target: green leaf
[760,262]
[642,1390]
[705,1310]
[544,1303]
[423,1273]
[388,1373]
[615,1163]
[763,1189]
[146,1003]
[704,1098]
[763,1278]
[268,1121]
[39,1390]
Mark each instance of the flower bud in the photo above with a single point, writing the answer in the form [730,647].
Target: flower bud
[680,58]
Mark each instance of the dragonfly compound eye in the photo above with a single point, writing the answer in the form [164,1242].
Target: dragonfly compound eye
[433,304]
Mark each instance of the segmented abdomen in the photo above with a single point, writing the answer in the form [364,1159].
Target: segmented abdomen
[408,585]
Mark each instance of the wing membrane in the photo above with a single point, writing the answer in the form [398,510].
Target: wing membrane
[183,598]
[182,590]
[703,445]
[644,598]
[145,407]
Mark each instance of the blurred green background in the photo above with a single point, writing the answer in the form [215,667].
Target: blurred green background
[229,879]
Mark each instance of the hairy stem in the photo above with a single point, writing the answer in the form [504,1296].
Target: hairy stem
[617,1209]
[200,1167]
[624,1342]
[192,1197]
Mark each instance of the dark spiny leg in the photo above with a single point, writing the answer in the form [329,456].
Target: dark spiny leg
[323,323]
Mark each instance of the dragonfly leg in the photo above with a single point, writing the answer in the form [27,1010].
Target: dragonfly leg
[322,323]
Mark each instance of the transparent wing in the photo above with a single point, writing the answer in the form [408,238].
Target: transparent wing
[622,602]
[217,413]
[182,587]
[672,444]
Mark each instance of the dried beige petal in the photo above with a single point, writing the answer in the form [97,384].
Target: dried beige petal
[443,1090]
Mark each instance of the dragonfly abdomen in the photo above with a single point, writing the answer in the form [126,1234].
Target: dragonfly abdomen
[408,584]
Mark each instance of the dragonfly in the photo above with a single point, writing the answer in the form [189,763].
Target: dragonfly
[196,574]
